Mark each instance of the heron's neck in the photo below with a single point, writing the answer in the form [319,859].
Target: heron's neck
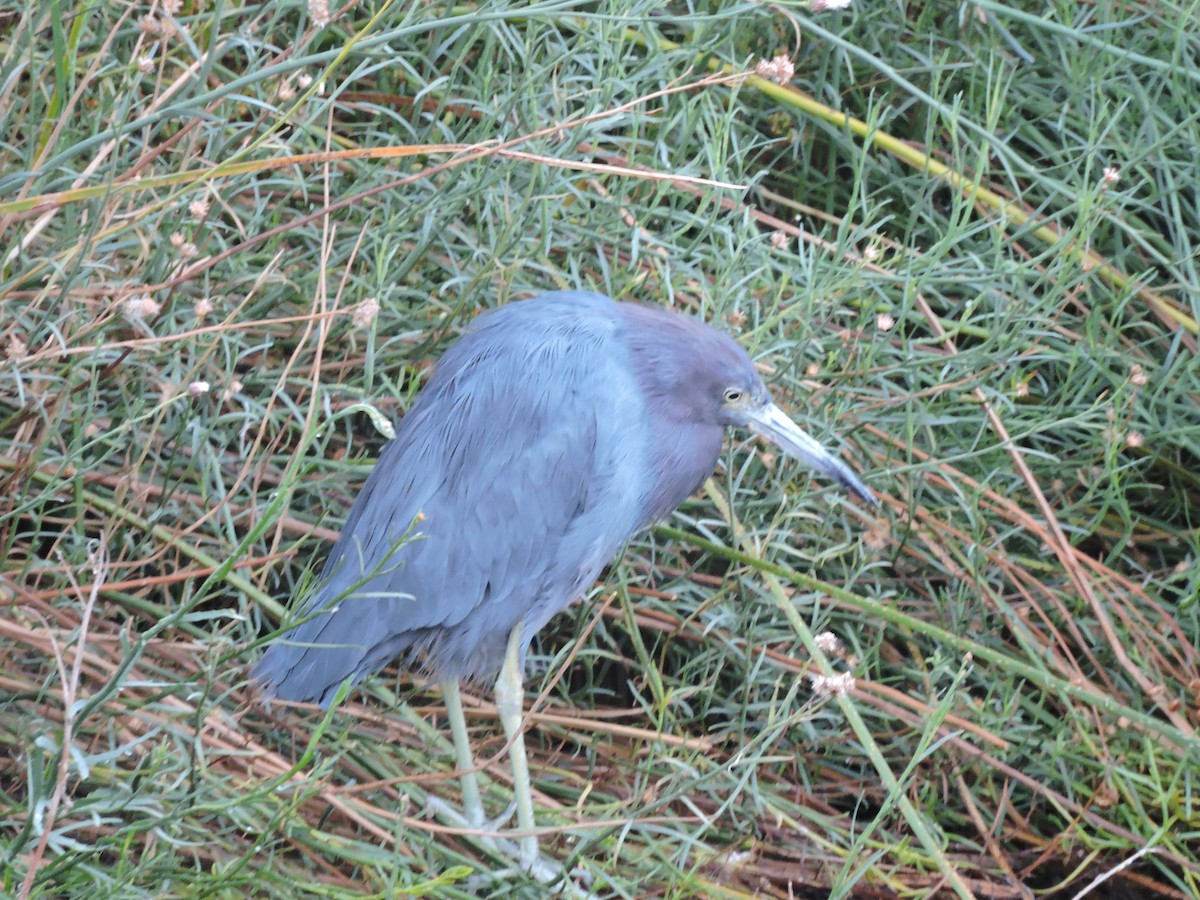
[682,456]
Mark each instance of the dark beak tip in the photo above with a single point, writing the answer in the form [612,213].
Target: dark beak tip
[865,494]
[855,487]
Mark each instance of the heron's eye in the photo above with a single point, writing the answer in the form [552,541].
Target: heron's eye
[733,395]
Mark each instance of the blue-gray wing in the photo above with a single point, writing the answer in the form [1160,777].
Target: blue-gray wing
[508,486]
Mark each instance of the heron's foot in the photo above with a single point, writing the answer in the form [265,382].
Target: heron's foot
[549,872]
[546,871]
[525,854]
[471,817]
[501,820]
[468,823]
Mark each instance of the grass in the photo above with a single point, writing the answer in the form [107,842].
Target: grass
[963,244]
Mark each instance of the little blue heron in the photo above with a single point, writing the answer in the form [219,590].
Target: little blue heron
[550,433]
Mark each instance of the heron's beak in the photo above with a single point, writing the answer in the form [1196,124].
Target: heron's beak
[771,422]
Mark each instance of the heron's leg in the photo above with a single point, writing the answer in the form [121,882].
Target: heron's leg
[464,759]
[510,696]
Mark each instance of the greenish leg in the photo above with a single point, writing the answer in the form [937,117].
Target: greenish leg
[510,696]
[472,804]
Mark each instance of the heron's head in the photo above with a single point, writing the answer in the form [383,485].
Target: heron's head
[735,396]
[701,376]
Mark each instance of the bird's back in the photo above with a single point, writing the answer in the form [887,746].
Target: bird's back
[516,475]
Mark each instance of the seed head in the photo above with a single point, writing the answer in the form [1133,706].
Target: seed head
[833,686]
[779,70]
[365,312]
[142,307]
[318,11]
[827,642]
